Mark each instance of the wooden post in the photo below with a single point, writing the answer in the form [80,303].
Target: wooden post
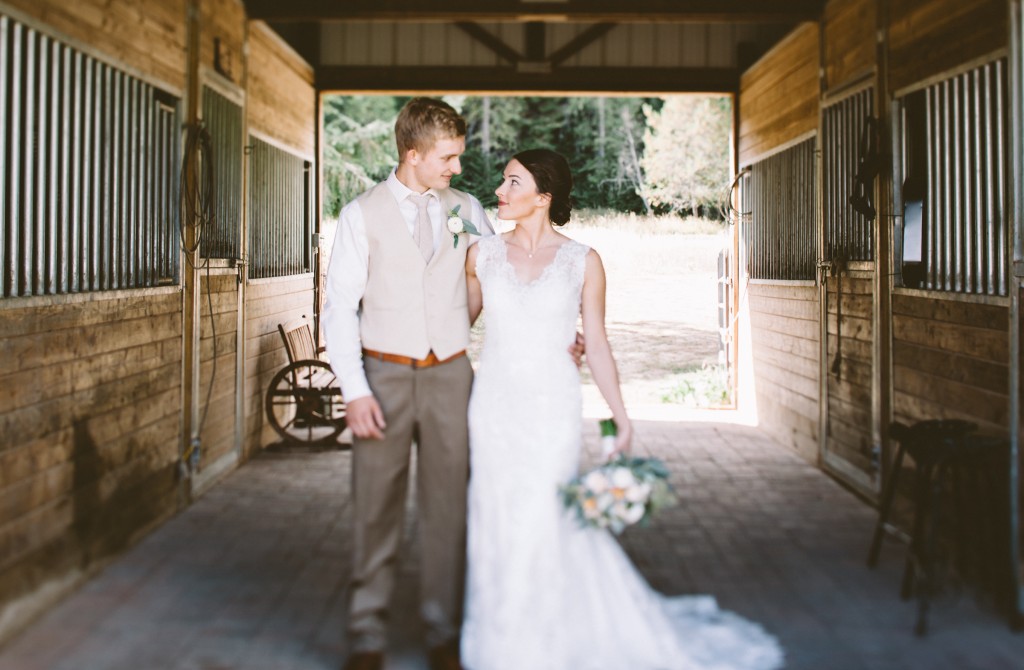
[1016,210]
[243,262]
[190,294]
[881,349]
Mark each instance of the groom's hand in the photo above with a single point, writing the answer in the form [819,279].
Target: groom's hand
[577,349]
[366,418]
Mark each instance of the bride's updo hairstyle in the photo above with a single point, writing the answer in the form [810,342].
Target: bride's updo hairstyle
[551,172]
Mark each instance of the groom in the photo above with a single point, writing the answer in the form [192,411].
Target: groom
[397,326]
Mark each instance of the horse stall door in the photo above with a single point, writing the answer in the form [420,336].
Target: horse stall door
[847,287]
[848,445]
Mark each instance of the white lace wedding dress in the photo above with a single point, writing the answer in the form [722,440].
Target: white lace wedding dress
[543,593]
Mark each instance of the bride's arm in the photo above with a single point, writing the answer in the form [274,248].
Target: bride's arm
[475,298]
[599,352]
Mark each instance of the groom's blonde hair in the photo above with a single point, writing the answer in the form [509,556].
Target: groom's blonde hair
[424,121]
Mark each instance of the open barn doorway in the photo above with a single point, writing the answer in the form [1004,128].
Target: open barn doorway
[651,184]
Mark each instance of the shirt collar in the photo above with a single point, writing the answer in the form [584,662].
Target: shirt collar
[401,191]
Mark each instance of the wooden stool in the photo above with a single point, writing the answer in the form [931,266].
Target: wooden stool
[943,450]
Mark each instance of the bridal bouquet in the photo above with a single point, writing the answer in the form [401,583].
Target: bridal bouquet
[623,491]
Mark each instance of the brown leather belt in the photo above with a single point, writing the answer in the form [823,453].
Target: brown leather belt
[430,361]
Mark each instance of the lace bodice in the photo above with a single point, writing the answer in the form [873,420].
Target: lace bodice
[529,324]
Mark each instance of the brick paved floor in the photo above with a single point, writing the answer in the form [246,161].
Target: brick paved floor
[253,574]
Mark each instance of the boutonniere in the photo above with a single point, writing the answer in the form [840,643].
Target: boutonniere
[457,224]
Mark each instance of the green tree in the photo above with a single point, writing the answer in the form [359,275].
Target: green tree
[359,145]
[686,154]
[601,138]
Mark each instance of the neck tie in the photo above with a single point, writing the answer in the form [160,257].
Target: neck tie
[422,231]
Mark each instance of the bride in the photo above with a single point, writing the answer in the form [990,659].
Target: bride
[543,593]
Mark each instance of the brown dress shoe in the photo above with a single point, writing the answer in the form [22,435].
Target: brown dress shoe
[445,657]
[365,660]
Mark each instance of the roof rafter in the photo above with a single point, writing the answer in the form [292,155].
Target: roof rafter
[557,57]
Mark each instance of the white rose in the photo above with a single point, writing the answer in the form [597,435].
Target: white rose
[633,513]
[455,225]
[638,493]
[622,478]
[595,482]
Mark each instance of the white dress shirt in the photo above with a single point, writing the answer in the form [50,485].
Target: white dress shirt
[347,274]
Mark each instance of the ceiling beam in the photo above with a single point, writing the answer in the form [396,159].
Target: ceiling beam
[567,80]
[597,11]
[489,40]
[578,43]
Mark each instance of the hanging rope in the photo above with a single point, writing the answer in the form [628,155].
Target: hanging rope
[197,196]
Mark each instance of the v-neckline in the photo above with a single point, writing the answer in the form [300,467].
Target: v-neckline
[515,275]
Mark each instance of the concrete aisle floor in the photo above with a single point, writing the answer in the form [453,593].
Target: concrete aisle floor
[253,575]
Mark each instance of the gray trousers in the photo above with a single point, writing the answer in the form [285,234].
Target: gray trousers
[426,406]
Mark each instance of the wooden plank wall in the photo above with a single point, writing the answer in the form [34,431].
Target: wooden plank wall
[268,303]
[848,40]
[218,403]
[276,74]
[91,384]
[223,26]
[950,360]
[778,103]
[90,413]
[223,29]
[785,333]
[928,37]
[850,335]
[950,357]
[779,94]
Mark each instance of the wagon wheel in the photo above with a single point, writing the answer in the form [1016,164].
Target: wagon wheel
[304,402]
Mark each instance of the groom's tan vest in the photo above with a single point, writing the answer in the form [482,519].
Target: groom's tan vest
[411,307]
